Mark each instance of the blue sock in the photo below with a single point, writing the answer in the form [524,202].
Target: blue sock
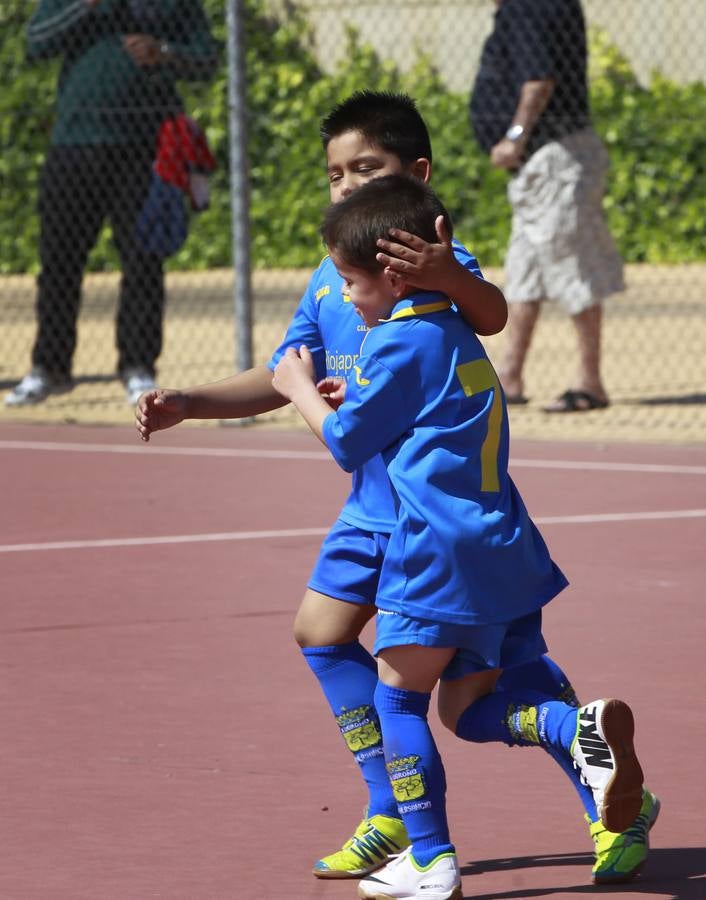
[526,718]
[494,718]
[347,674]
[545,676]
[415,769]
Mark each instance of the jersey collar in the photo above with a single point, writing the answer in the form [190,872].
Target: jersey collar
[422,304]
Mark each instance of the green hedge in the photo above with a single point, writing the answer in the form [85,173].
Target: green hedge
[656,202]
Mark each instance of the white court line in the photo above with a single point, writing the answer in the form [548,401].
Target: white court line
[638,468]
[319,532]
[166,539]
[139,447]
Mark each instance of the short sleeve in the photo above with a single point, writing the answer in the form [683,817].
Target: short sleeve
[527,27]
[304,329]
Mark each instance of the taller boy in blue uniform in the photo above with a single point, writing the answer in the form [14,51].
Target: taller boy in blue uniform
[466,572]
[368,135]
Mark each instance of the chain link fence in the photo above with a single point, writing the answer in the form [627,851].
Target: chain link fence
[647,71]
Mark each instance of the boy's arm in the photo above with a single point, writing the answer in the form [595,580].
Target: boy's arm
[294,379]
[435,267]
[239,396]
[248,393]
[352,434]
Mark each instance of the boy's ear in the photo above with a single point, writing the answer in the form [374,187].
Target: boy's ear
[398,286]
[421,169]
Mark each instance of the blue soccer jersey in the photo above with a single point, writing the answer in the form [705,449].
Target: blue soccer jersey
[425,395]
[328,324]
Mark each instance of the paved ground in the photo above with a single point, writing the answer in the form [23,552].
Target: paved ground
[654,358]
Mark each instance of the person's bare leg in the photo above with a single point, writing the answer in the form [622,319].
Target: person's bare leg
[522,318]
[322,620]
[588,334]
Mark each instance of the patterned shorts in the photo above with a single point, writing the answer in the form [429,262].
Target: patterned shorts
[560,247]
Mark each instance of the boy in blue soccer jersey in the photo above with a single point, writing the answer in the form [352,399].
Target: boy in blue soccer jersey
[465,572]
[368,135]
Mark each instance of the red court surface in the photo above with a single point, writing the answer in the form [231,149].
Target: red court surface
[161,736]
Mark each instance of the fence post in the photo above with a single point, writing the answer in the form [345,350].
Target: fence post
[239,184]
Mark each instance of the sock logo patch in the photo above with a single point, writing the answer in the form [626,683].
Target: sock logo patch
[406,778]
[521,722]
[360,728]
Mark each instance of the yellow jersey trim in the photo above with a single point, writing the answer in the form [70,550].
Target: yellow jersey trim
[422,310]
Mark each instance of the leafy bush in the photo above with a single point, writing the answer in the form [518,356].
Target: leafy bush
[656,202]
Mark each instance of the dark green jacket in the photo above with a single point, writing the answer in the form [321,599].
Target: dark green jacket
[103,96]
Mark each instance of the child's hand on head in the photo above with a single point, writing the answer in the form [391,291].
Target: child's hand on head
[294,372]
[421,264]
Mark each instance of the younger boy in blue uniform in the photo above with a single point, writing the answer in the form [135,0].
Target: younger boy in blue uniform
[465,572]
[368,135]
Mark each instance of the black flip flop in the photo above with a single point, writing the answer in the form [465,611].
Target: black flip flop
[576,401]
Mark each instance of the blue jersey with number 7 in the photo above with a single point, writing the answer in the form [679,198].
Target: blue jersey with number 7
[327,323]
[424,394]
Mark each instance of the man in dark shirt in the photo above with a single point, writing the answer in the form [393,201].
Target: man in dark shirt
[121,59]
[530,112]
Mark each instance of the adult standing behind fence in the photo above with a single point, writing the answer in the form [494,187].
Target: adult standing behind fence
[121,59]
[530,112]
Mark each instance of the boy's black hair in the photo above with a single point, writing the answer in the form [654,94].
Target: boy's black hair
[388,120]
[352,226]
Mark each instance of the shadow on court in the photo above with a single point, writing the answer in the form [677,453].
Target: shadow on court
[678,400]
[675,872]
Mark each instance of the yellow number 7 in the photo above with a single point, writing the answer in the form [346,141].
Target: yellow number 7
[475,377]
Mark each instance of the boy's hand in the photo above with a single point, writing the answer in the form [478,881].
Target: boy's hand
[159,409]
[333,390]
[294,373]
[419,263]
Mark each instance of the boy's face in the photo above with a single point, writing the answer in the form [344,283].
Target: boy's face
[351,161]
[372,293]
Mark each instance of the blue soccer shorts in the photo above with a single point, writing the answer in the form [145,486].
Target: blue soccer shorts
[479,647]
[349,564]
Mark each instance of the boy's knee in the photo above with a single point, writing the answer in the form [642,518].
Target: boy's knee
[457,696]
[322,621]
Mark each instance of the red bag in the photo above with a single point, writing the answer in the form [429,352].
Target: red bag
[184,158]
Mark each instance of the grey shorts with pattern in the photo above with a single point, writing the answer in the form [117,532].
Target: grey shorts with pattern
[560,247]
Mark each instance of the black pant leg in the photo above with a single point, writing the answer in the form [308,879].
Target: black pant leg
[141,304]
[71,209]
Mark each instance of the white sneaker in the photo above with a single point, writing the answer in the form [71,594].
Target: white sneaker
[136,382]
[403,879]
[35,387]
[604,754]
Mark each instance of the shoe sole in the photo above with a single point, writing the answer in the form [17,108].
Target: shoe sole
[624,877]
[623,794]
[342,874]
[456,894]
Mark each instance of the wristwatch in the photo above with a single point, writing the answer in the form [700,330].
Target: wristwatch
[514,133]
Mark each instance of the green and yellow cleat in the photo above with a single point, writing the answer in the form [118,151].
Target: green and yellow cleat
[619,857]
[375,840]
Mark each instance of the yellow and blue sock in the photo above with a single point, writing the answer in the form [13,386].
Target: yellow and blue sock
[415,769]
[347,674]
[528,718]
